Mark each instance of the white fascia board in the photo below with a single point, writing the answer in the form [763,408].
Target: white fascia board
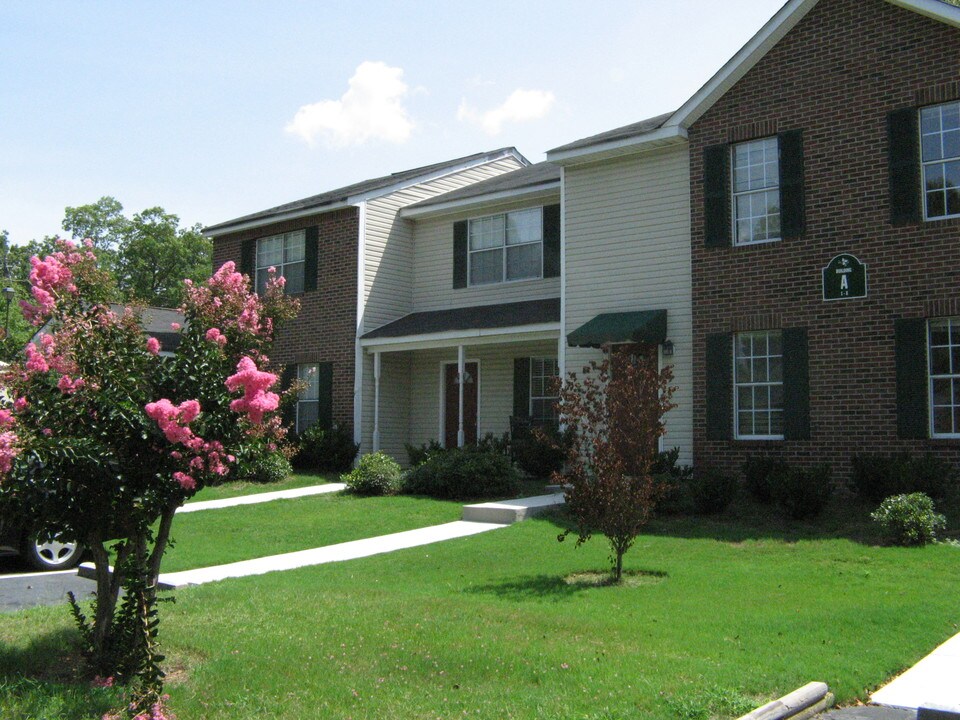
[534,192]
[934,9]
[655,139]
[453,338]
[263,222]
[436,175]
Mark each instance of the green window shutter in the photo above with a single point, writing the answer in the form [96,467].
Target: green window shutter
[903,158]
[248,258]
[325,409]
[460,254]
[289,411]
[311,243]
[796,384]
[791,183]
[521,387]
[910,352]
[719,386]
[551,241]
[716,196]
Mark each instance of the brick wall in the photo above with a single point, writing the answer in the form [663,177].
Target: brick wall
[835,75]
[325,330]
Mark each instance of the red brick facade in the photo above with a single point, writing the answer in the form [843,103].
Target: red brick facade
[835,76]
[326,328]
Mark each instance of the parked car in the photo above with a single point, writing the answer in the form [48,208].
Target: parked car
[43,553]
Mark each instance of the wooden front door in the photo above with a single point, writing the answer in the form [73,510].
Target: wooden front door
[451,404]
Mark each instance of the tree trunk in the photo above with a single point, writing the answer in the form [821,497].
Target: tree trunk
[108,590]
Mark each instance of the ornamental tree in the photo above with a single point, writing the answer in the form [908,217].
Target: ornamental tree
[614,417]
[107,434]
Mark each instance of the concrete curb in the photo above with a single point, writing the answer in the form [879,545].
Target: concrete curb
[506,512]
[802,703]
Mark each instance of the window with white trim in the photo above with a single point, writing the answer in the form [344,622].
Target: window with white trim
[543,390]
[308,400]
[944,354]
[505,247]
[755,167]
[758,385]
[940,156]
[286,253]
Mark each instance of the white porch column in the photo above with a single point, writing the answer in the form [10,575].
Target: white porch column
[376,401]
[461,371]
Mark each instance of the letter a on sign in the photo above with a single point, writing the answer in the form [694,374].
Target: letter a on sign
[844,278]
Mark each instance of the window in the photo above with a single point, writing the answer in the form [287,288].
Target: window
[756,191]
[506,247]
[286,253]
[543,391]
[758,385]
[308,402]
[940,154]
[944,354]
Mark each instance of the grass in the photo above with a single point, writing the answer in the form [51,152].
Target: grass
[239,489]
[512,624]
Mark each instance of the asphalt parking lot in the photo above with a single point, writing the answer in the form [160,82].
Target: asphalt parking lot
[21,588]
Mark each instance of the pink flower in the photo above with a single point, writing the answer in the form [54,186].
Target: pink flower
[175,326]
[186,482]
[36,362]
[9,449]
[6,418]
[214,335]
[47,432]
[68,386]
[102,682]
[153,346]
[20,404]
[174,419]
[256,400]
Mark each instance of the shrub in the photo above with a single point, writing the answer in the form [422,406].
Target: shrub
[321,450]
[909,519]
[879,476]
[673,483]
[375,474]
[265,467]
[463,473]
[494,444]
[802,492]
[540,452]
[419,455]
[758,476]
[711,491]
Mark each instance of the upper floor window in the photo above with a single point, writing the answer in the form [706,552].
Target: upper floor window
[286,253]
[506,247]
[944,354]
[940,156]
[758,385]
[756,191]
[544,373]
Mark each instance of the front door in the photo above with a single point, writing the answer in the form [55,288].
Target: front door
[451,404]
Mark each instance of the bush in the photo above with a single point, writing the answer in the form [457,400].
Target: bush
[494,444]
[266,467]
[711,491]
[419,455]
[801,492]
[375,474]
[879,476]
[673,483]
[909,519]
[758,476]
[463,473]
[540,452]
[320,450]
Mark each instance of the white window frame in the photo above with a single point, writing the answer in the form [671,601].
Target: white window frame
[936,162]
[542,363]
[503,247]
[283,265]
[737,384]
[304,369]
[754,191]
[952,324]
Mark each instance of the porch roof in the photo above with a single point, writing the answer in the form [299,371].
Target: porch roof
[648,326]
[528,319]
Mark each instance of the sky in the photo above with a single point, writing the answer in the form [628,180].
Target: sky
[213,110]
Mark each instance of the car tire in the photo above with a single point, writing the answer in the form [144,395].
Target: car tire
[50,554]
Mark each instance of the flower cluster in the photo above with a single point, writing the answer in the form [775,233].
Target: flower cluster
[256,400]
[204,457]
[52,278]
[215,336]
[9,442]
[153,346]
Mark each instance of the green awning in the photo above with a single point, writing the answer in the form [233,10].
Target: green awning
[644,326]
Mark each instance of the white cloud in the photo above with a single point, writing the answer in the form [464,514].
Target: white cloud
[521,106]
[372,109]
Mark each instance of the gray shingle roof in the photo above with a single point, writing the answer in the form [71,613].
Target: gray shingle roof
[332,197]
[533,175]
[622,133]
[504,315]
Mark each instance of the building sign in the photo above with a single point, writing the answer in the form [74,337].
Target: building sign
[844,278]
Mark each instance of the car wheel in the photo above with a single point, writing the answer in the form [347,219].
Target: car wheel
[50,553]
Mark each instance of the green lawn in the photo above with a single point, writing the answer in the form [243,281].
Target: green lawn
[729,614]
[238,489]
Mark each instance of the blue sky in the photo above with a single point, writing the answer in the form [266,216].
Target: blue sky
[216,109]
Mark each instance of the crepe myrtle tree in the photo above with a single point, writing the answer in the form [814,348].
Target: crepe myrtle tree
[104,438]
[614,418]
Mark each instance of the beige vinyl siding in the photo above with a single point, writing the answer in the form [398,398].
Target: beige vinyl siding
[433,259]
[389,266]
[416,378]
[627,235]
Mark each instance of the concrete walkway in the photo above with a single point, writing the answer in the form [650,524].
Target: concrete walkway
[262,497]
[934,682]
